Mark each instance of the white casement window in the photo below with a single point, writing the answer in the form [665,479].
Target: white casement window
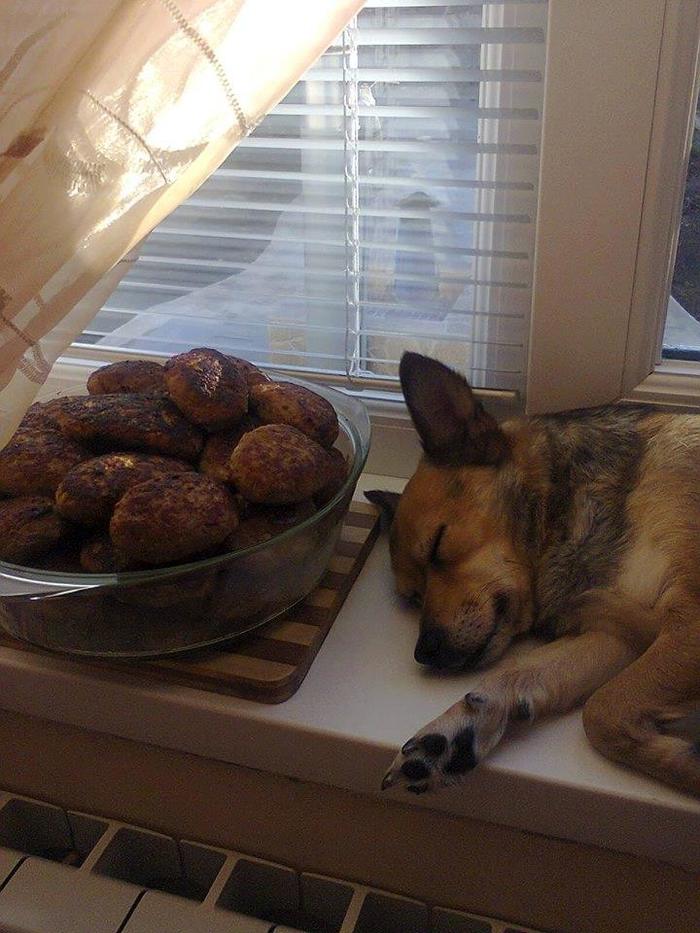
[497,184]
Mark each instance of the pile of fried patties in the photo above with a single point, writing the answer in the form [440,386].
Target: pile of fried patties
[163,464]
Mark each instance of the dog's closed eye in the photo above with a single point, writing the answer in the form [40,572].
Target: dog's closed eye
[434,556]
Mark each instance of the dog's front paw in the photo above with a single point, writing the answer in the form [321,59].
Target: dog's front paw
[449,747]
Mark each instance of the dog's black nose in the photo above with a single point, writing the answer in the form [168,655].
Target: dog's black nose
[429,647]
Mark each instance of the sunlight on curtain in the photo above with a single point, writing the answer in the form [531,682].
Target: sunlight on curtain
[111,114]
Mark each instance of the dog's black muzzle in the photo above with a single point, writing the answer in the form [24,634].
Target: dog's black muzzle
[433,650]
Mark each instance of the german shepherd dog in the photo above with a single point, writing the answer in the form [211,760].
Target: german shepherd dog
[582,528]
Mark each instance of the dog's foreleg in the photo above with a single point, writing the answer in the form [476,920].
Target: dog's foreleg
[643,716]
[551,679]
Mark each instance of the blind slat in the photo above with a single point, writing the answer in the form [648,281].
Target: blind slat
[379,145]
[457,4]
[156,263]
[449,35]
[189,270]
[411,113]
[202,231]
[374,181]
[151,300]
[445,74]
[370,362]
[451,4]
[395,213]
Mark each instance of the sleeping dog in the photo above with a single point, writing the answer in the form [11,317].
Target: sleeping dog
[582,528]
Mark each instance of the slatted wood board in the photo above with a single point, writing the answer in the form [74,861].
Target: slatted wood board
[270,664]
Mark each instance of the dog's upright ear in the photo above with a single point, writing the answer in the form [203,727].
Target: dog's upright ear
[387,502]
[451,422]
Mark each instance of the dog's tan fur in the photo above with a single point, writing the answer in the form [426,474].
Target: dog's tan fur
[478,540]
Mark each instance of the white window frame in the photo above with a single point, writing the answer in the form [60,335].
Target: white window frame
[620,88]
[620,91]
[646,376]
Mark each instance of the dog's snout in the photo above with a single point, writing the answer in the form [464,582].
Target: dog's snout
[430,647]
[435,649]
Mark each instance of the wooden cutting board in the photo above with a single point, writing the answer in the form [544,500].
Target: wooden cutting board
[270,664]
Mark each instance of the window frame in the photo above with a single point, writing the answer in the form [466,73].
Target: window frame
[603,265]
[647,376]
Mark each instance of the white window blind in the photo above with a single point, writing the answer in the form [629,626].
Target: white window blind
[388,203]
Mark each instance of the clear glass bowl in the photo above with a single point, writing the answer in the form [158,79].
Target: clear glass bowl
[150,613]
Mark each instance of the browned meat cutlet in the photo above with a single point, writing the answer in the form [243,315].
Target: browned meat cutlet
[265,522]
[98,555]
[64,558]
[286,403]
[277,464]
[172,518]
[208,388]
[29,528]
[37,457]
[139,376]
[89,492]
[338,475]
[131,422]
[252,375]
[216,456]
[39,415]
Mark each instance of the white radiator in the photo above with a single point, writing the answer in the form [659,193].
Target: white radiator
[66,872]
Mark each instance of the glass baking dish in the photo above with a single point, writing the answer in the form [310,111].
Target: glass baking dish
[162,611]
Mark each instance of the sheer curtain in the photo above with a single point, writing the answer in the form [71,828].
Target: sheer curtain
[111,114]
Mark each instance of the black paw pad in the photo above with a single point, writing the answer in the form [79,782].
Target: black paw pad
[463,757]
[415,770]
[433,744]
[695,748]
[417,788]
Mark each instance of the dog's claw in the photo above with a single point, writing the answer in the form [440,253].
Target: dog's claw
[409,747]
[410,773]
[389,780]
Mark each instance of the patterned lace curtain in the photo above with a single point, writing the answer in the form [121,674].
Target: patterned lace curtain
[111,114]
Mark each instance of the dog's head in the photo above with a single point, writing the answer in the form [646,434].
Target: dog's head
[453,550]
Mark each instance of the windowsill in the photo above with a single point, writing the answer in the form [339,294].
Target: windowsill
[673,384]
[363,697]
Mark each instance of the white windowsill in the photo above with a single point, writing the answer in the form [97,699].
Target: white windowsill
[363,697]
[673,384]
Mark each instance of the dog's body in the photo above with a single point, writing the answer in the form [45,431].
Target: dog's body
[583,528]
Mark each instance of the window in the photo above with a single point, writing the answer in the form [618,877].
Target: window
[387,203]
[495,183]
